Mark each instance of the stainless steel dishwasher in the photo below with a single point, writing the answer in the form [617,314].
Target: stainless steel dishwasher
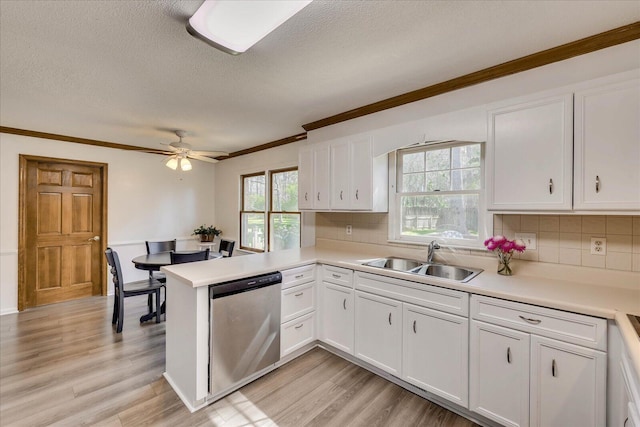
[245,328]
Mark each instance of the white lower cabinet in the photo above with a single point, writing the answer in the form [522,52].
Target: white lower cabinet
[520,378]
[378,339]
[568,384]
[435,352]
[499,374]
[298,309]
[336,305]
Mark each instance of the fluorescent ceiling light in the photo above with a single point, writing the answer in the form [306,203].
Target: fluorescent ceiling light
[235,25]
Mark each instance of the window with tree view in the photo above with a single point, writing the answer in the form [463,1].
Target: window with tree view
[279,226]
[439,191]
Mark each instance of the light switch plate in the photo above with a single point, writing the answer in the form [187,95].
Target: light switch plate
[529,239]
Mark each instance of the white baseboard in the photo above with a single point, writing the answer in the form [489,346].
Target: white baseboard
[11,310]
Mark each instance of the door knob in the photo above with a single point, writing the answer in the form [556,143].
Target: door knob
[93,239]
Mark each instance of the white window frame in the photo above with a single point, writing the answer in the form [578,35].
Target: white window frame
[485,220]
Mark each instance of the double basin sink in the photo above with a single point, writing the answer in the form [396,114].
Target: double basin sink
[443,271]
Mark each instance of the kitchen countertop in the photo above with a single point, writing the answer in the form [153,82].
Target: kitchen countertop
[596,292]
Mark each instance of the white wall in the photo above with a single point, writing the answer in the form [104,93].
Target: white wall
[146,201]
[227,188]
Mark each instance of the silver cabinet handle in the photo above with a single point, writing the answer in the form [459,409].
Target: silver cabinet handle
[336,276]
[529,320]
[344,304]
[299,276]
[414,327]
[93,239]
[300,294]
[306,196]
[318,196]
[389,318]
[341,194]
[508,354]
[550,186]
[299,326]
[597,184]
[554,368]
[357,198]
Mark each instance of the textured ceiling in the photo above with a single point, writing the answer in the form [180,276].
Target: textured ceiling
[128,71]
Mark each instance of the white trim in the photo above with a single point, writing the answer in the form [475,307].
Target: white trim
[5,311]
[142,242]
[9,252]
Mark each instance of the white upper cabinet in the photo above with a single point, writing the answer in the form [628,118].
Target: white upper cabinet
[607,147]
[344,175]
[313,178]
[529,155]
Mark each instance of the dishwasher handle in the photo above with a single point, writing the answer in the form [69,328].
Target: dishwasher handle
[246,284]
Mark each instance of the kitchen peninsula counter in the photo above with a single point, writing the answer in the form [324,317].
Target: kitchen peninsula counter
[595,292]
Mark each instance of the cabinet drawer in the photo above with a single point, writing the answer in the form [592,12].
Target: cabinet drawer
[337,275]
[297,301]
[447,300]
[298,276]
[297,333]
[569,327]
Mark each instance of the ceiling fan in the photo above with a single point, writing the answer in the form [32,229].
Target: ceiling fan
[180,153]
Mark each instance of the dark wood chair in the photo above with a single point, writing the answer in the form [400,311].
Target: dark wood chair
[184,257]
[156,248]
[123,290]
[226,247]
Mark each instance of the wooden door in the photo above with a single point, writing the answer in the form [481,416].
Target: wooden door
[62,230]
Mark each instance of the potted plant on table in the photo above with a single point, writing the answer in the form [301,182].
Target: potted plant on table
[206,233]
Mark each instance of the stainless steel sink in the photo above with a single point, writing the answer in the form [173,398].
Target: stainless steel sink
[451,272]
[400,264]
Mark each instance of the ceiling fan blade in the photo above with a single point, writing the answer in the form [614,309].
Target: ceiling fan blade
[210,153]
[201,158]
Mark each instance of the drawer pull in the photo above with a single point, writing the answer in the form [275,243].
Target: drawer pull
[344,304]
[300,294]
[532,321]
[357,198]
[341,194]
[306,196]
[554,368]
[318,196]
[414,327]
[336,276]
[550,186]
[299,276]
[597,184]
[508,354]
[389,318]
[299,326]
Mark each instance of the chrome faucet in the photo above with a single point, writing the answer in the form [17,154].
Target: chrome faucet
[431,249]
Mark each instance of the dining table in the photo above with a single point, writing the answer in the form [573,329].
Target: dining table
[153,262]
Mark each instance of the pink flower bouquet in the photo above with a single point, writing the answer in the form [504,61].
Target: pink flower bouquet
[504,249]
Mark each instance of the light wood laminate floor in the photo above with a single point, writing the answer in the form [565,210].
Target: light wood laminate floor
[64,365]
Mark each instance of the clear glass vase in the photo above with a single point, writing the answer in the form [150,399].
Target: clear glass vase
[503,263]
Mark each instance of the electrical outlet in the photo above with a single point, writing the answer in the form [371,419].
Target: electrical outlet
[529,239]
[349,229]
[598,246]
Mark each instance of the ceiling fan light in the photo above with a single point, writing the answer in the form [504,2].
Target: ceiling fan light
[185,164]
[235,26]
[172,163]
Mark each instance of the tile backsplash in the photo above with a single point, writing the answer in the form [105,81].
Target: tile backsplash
[566,239]
[562,239]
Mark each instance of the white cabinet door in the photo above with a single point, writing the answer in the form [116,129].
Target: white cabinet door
[313,178]
[568,384]
[607,147]
[378,330]
[340,175]
[337,316]
[529,155]
[499,374]
[305,178]
[321,178]
[435,352]
[361,179]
